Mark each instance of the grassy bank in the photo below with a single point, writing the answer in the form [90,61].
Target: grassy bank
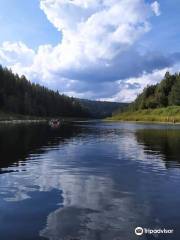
[168,114]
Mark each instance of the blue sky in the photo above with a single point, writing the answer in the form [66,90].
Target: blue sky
[165,33]
[24,21]
[105,50]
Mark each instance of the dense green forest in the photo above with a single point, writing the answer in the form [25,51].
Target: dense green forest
[20,96]
[166,93]
[159,102]
[102,109]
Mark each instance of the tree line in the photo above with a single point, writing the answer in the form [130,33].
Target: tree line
[20,96]
[163,94]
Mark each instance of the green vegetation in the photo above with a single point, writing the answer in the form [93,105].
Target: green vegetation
[166,93]
[160,102]
[168,114]
[20,97]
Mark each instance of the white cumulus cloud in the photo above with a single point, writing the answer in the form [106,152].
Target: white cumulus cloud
[98,37]
[156,8]
[12,53]
[94,30]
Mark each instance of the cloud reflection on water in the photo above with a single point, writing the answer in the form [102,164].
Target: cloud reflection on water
[101,175]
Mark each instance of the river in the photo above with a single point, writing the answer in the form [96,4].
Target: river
[89,181]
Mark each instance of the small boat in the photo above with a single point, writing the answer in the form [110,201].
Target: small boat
[54,123]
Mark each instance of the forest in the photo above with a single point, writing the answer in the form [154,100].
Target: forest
[159,102]
[163,94]
[20,96]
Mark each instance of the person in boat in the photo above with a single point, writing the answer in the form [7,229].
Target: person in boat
[54,123]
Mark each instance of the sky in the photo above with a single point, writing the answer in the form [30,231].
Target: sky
[96,49]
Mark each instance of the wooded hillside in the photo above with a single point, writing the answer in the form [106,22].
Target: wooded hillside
[20,96]
[166,93]
[102,109]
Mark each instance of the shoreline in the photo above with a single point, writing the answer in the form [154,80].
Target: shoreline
[166,115]
[141,121]
[18,121]
[36,120]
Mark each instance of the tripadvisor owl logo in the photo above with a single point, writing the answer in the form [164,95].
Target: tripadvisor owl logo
[139,231]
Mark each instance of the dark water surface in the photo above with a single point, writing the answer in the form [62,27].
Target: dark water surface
[89,181]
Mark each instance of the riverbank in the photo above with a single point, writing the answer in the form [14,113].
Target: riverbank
[18,118]
[167,115]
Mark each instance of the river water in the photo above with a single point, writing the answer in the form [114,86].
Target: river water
[89,181]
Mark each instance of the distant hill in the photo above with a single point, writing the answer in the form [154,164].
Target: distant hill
[101,109]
